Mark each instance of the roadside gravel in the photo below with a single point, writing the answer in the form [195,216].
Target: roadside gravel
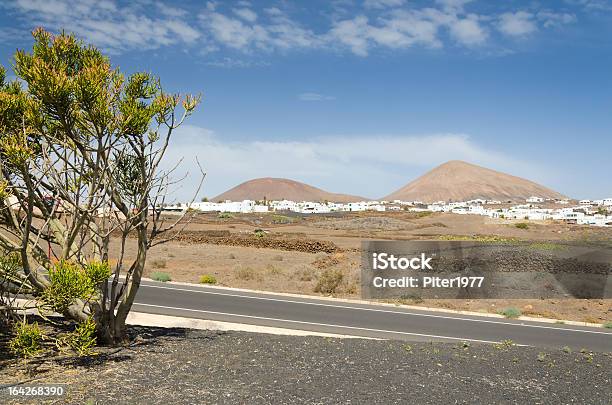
[175,366]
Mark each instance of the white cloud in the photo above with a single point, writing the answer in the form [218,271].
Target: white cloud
[232,63]
[279,33]
[314,97]
[517,24]
[453,4]
[363,26]
[104,23]
[468,31]
[246,14]
[372,166]
[552,19]
[382,3]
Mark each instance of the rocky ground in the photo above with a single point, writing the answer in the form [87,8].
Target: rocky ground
[185,366]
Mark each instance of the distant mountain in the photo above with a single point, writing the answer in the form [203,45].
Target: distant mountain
[279,189]
[461,181]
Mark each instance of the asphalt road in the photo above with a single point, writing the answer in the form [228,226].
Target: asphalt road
[358,319]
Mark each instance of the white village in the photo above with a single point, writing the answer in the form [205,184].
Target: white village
[583,212]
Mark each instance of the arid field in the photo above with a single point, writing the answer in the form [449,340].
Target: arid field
[320,254]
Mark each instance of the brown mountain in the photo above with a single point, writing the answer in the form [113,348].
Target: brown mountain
[279,189]
[462,181]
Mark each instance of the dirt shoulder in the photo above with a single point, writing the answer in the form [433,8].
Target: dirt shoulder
[187,366]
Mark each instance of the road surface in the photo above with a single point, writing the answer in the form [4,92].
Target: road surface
[358,319]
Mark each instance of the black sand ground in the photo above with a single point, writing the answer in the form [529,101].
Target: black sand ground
[176,366]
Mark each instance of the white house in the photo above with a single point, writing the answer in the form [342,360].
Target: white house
[534,199]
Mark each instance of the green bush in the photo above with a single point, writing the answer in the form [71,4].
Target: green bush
[522,225]
[225,215]
[27,340]
[329,281]
[68,282]
[161,276]
[81,340]
[97,272]
[607,325]
[510,312]
[207,279]
[259,233]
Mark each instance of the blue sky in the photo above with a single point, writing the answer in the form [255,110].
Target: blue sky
[363,96]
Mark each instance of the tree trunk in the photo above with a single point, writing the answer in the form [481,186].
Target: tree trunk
[118,330]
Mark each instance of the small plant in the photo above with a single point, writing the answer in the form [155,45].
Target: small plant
[541,357]
[278,258]
[522,225]
[607,325]
[161,276]
[510,312]
[231,256]
[159,264]
[245,273]
[411,298]
[97,272]
[259,233]
[282,219]
[408,348]
[504,344]
[27,340]
[329,281]
[274,270]
[208,279]
[566,349]
[306,274]
[81,340]
[225,215]
[68,282]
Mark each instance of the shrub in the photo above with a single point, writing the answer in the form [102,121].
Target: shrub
[225,215]
[27,340]
[282,219]
[329,281]
[259,233]
[231,256]
[522,225]
[423,214]
[305,274]
[161,276]
[68,282]
[607,325]
[81,340]
[273,269]
[510,312]
[208,279]
[245,273]
[158,264]
[278,258]
[504,344]
[97,272]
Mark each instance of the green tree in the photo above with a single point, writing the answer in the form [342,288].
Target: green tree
[80,152]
